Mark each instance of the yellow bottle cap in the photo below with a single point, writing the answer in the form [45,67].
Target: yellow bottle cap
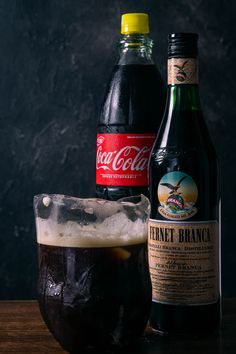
[134,23]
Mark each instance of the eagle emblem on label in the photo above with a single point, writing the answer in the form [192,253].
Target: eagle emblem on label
[177,193]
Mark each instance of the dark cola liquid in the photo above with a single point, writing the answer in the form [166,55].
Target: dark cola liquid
[94,297]
[134,103]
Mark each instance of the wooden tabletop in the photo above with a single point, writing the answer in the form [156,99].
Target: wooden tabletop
[23,331]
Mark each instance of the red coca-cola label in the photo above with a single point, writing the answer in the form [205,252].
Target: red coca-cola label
[122,159]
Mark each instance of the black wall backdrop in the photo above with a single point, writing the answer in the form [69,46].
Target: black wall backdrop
[55,60]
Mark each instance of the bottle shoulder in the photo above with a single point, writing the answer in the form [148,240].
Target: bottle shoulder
[182,132]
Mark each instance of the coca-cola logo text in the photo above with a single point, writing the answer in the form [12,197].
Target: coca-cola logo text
[130,158]
[122,159]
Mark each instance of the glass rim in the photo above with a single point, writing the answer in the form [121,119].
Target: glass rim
[140,199]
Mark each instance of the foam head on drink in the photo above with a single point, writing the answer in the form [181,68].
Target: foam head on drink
[69,222]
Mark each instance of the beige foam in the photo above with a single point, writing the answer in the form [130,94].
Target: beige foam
[105,234]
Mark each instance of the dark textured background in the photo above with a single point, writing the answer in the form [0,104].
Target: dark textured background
[55,60]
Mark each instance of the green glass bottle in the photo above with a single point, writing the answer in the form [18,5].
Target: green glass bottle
[184,226]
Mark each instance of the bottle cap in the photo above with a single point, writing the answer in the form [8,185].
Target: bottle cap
[183,45]
[134,23]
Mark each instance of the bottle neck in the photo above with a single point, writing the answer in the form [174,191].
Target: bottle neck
[135,49]
[183,91]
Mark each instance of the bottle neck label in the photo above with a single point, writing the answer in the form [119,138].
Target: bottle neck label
[122,159]
[182,71]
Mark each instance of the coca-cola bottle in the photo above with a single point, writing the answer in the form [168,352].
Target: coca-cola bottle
[131,114]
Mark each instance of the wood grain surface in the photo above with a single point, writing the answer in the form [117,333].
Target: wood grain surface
[23,331]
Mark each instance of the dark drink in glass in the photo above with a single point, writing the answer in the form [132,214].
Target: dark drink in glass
[94,285]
